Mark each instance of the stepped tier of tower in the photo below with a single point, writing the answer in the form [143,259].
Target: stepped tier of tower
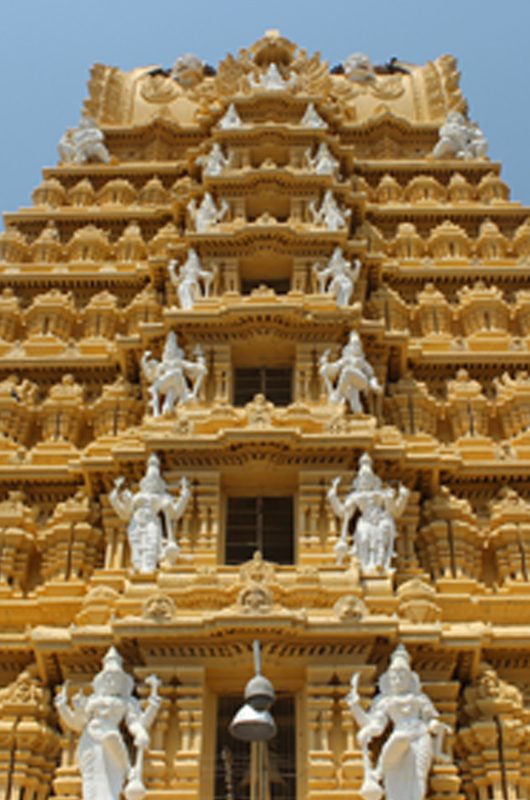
[441,306]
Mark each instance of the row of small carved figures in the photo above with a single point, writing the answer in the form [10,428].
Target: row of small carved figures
[447,241]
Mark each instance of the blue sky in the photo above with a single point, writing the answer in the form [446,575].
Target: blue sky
[48,47]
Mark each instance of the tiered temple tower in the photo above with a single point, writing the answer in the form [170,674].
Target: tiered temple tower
[249,180]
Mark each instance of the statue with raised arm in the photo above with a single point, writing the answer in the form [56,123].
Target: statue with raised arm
[215,162]
[206,214]
[329,214]
[152,513]
[338,278]
[351,373]
[82,144]
[102,718]
[375,530]
[460,138]
[175,378]
[191,282]
[323,162]
[415,739]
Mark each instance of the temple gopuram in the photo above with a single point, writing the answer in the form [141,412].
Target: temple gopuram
[265,423]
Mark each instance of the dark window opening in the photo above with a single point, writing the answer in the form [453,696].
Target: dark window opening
[259,523]
[232,761]
[275,384]
[279,285]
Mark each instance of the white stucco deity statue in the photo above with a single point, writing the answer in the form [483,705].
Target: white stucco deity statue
[215,162]
[415,738]
[312,118]
[351,374]
[106,719]
[375,529]
[175,378]
[152,513]
[206,214]
[272,80]
[82,144]
[188,70]
[460,138]
[230,119]
[329,214]
[191,282]
[358,68]
[338,278]
[322,163]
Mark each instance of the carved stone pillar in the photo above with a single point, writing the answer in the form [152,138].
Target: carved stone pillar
[315,536]
[321,767]
[222,374]
[189,710]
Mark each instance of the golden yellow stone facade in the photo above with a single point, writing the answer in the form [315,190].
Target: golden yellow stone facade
[442,307]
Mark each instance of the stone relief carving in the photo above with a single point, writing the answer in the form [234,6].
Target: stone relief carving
[415,739]
[351,373]
[82,144]
[191,282]
[152,513]
[338,278]
[100,718]
[375,529]
[175,378]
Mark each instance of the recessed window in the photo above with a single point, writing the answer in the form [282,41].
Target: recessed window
[259,523]
[232,763]
[273,382]
[279,285]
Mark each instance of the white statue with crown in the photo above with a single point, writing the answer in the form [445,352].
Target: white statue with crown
[152,513]
[349,376]
[415,739]
[329,214]
[375,530]
[174,378]
[204,216]
[106,719]
[338,277]
[192,281]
